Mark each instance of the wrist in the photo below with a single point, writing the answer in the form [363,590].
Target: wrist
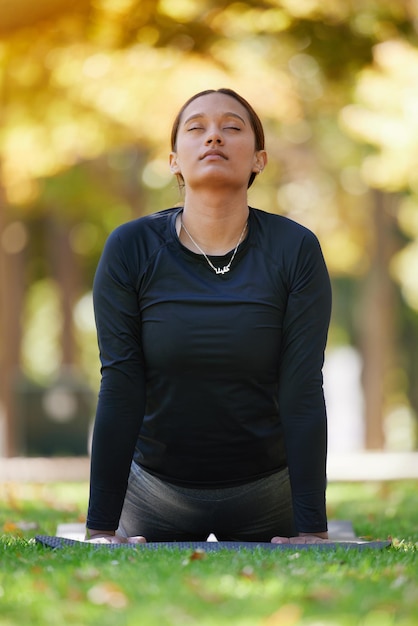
[91,533]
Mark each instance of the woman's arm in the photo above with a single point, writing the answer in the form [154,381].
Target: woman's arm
[301,398]
[121,402]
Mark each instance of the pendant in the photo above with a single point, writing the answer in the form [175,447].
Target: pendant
[222,270]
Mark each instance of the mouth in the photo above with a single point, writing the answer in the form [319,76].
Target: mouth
[215,154]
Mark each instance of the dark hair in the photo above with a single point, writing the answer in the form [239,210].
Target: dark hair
[254,119]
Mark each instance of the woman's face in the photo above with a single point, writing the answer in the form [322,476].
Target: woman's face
[216,144]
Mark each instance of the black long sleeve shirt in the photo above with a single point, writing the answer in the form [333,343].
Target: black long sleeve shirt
[209,379]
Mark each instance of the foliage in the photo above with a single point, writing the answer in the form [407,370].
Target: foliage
[88,96]
[101,84]
[168,587]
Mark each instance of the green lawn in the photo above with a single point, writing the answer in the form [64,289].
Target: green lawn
[129,587]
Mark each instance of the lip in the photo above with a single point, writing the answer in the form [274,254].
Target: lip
[213,153]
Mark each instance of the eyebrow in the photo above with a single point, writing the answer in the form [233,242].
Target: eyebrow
[226,114]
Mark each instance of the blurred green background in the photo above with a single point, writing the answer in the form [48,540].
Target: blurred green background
[87,98]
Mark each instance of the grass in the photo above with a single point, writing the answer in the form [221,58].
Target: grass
[128,587]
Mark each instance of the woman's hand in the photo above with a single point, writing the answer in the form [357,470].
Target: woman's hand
[303,538]
[97,536]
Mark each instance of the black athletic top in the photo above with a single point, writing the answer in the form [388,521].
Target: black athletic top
[211,380]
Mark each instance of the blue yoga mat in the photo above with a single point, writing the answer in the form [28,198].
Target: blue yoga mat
[214,546]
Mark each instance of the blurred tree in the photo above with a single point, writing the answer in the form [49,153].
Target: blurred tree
[88,95]
[13,239]
[383,117]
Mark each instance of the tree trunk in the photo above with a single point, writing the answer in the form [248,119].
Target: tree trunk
[378,335]
[13,240]
[65,271]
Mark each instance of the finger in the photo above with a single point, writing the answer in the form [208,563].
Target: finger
[137,539]
[298,540]
[311,539]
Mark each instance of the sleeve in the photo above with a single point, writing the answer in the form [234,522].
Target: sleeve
[121,401]
[301,397]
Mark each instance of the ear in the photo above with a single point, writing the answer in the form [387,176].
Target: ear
[174,166]
[260,161]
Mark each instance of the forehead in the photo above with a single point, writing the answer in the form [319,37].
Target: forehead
[214,104]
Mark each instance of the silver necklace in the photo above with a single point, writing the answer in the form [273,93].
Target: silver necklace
[225,268]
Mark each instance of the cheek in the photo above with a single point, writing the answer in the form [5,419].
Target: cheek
[247,146]
[247,155]
[186,150]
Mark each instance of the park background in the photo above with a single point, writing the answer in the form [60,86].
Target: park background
[88,93]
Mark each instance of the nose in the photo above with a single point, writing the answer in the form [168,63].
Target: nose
[214,137]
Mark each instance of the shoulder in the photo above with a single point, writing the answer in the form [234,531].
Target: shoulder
[290,247]
[273,228]
[131,246]
[138,239]
[155,225]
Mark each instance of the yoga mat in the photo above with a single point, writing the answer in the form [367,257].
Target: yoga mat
[338,530]
[214,546]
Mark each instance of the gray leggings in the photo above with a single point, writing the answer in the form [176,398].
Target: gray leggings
[161,511]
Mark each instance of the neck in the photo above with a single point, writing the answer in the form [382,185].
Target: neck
[215,225]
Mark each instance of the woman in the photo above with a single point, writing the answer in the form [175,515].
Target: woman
[212,321]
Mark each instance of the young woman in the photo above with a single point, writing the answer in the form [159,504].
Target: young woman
[212,321]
